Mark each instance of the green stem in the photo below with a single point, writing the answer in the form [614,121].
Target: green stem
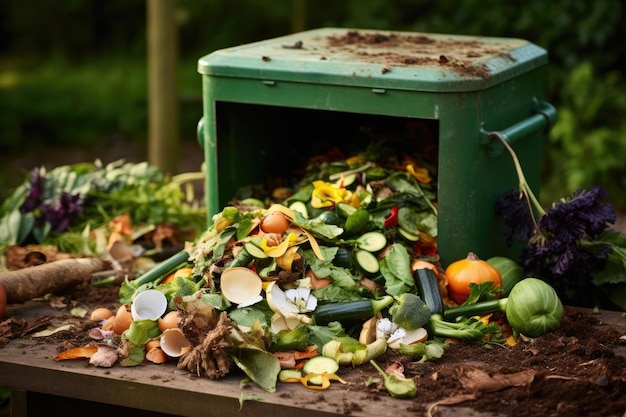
[523,184]
[483,307]
[362,168]
[380,304]
[164,268]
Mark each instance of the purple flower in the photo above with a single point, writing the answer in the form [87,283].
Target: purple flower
[61,214]
[557,251]
[581,216]
[513,209]
[35,192]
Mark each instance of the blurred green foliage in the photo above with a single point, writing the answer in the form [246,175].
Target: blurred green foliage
[73,72]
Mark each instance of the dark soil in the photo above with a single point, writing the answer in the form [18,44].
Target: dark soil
[573,371]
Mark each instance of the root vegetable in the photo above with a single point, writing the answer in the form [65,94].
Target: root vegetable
[36,281]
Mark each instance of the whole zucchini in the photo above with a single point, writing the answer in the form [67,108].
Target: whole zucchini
[350,311]
[428,290]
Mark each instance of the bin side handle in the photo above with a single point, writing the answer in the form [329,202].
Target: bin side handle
[200,132]
[544,118]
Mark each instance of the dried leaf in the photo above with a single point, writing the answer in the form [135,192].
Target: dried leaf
[478,381]
[456,399]
[51,331]
[79,312]
[77,353]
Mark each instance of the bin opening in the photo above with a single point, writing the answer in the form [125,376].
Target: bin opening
[271,105]
[264,148]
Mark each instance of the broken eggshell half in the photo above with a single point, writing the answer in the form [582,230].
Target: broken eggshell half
[149,305]
[174,343]
[241,286]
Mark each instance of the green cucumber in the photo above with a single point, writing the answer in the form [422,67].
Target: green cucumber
[350,311]
[318,365]
[412,237]
[344,210]
[428,290]
[330,217]
[300,207]
[345,181]
[371,241]
[254,250]
[366,262]
[343,257]
[243,258]
[289,374]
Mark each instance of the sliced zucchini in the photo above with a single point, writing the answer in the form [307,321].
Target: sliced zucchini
[289,375]
[345,181]
[320,365]
[254,250]
[372,241]
[300,207]
[412,237]
[366,261]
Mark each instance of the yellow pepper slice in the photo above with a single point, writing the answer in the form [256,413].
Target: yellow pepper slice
[279,250]
[326,194]
[420,174]
[326,378]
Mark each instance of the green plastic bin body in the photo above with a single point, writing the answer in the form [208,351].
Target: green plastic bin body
[268,104]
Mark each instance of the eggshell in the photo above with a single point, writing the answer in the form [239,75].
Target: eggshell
[169,320]
[157,355]
[122,321]
[174,343]
[153,344]
[100,314]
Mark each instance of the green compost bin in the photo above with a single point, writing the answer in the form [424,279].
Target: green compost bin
[269,105]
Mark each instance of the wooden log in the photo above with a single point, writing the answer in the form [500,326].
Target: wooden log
[36,281]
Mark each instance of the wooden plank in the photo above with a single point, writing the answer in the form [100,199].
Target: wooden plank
[27,365]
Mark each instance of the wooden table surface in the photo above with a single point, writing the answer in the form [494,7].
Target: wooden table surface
[38,383]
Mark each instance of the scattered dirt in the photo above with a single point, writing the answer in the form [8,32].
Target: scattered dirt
[573,371]
[459,55]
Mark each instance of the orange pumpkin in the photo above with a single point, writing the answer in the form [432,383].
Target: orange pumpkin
[470,270]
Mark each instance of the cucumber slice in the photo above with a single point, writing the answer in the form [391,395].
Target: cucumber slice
[300,207]
[320,365]
[408,235]
[372,241]
[289,374]
[255,251]
[346,181]
[366,261]
[344,210]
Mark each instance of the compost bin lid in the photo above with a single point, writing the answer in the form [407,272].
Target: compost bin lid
[379,59]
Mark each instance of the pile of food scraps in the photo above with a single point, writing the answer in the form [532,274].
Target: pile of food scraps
[341,271]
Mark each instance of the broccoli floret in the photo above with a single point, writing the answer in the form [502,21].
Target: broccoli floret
[410,311]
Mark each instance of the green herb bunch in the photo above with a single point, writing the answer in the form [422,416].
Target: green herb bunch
[64,205]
